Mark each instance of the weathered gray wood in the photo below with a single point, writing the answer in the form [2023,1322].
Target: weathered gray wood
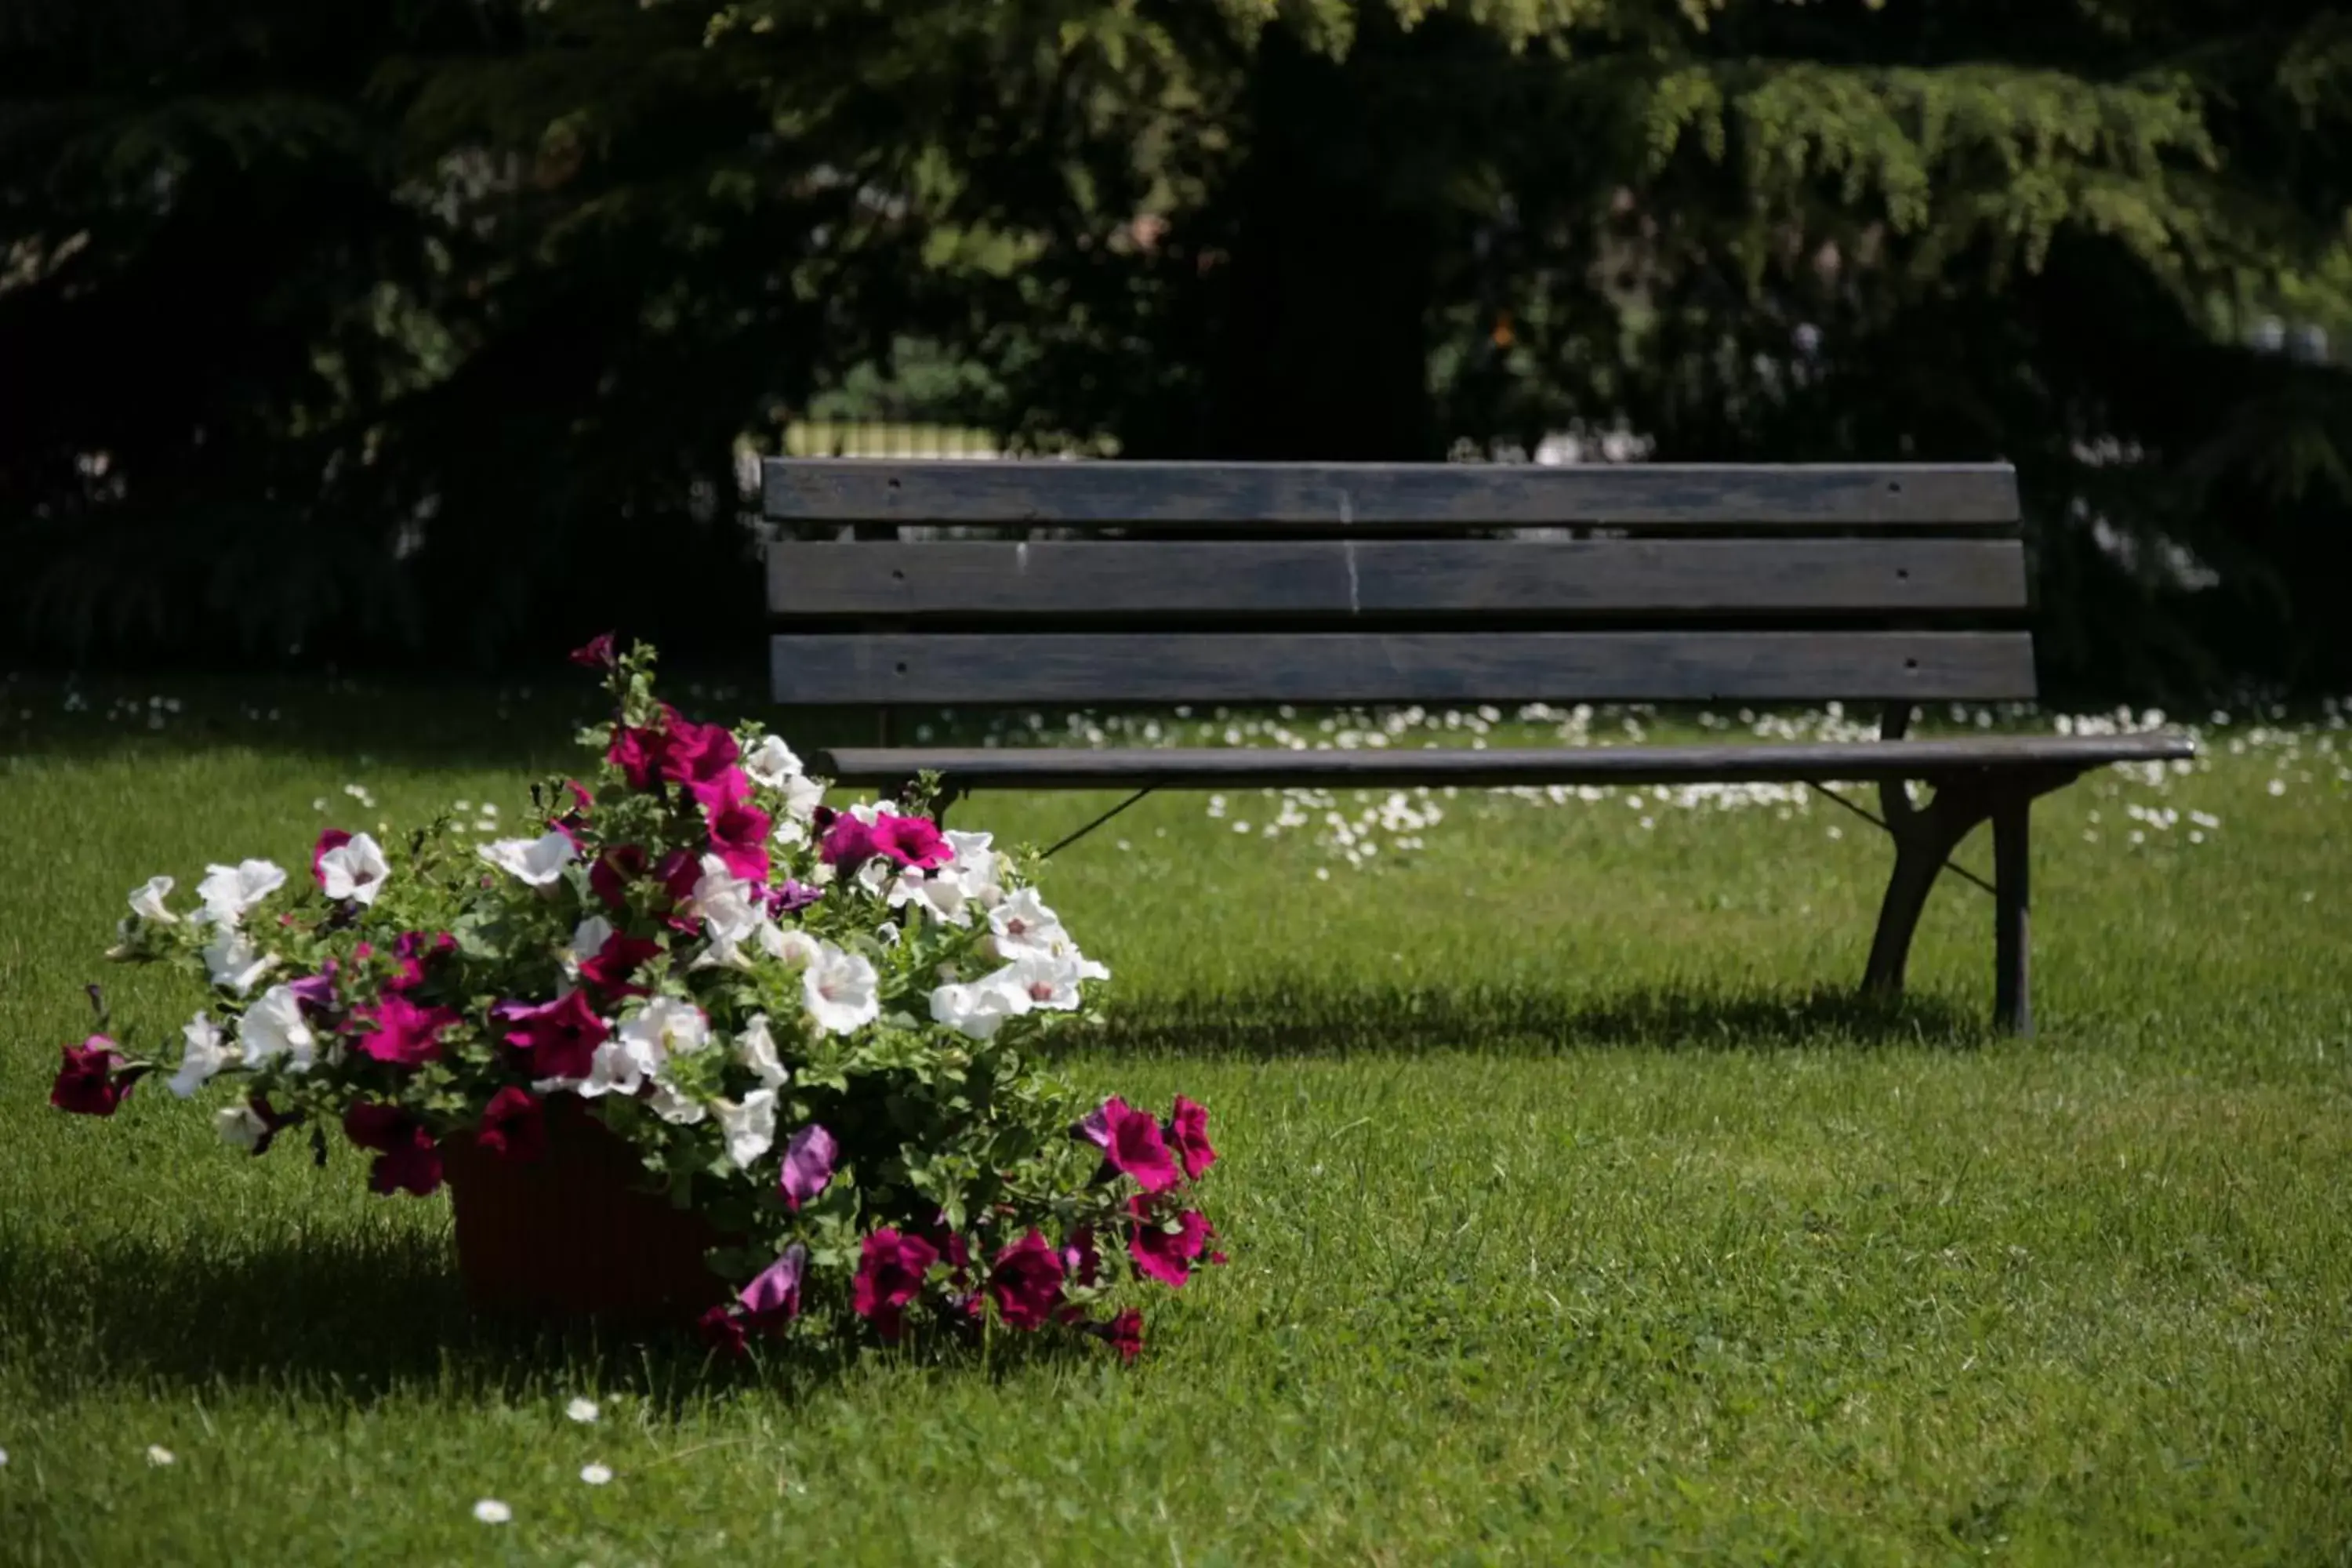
[972,579]
[1432,667]
[2041,761]
[1375,496]
[2012,991]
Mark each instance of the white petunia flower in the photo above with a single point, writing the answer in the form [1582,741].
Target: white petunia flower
[617,1069]
[228,891]
[491,1510]
[802,795]
[205,1054]
[534,862]
[355,870]
[667,1027]
[581,1410]
[1051,981]
[942,896]
[979,1008]
[756,1049]
[842,990]
[728,905]
[771,764]
[588,939]
[274,1027]
[236,964]
[1024,927]
[147,901]
[672,1105]
[240,1127]
[793,948]
[750,1126]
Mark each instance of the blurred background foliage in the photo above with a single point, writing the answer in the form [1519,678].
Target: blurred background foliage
[440,331]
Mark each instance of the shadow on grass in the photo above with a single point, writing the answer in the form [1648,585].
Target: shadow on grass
[1311,1018]
[364,1317]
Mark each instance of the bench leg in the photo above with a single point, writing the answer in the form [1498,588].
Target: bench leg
[1924,838]
[2013,994]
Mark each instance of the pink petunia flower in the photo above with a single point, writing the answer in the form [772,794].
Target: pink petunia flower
[1027,1283]
[514,1126]
[774,1297]
[615,870]
[406,1159]
[608,973]
[914,841]
[1080,1261]
[1131,1142]
[1162,1254]
[702,757]
[739,835]
[596,653]
[721,1329]
[891,1271]
[412,952]
[1125,1334]
[561,1036]
[809,1154]
[87,1083]
[404,1033]
[1189,1128]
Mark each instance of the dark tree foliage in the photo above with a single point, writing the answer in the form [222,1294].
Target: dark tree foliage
[435,329]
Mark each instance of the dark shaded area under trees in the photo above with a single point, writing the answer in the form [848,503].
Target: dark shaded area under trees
[422,330]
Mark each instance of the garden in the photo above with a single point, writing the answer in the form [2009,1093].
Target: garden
[1570,1203]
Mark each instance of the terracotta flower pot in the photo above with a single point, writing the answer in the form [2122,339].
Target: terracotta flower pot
[575,1233]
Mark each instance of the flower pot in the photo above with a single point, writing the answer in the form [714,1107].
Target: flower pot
[576,1232]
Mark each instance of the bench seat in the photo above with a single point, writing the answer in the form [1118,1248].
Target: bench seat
[966,768]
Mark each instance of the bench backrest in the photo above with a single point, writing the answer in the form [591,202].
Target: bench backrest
[1074,582]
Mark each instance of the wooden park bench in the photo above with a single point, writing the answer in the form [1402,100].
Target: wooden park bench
[1075,584]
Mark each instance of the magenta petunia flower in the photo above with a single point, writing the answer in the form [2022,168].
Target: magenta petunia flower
[775,1295]
[609,971]
[739,835]
[1133,1145]
[809,1154]
[87,1083]
[678,872]
[514,1126]
[406,1160]
[615,870]
[1189,1129]
[412,952]
[641,754]
[844,842]
[329,838]
[914,841]
[596,653]
[1162,1254]
[1027,1283]
[721,1329]
[890,1270]
[1125,1334]
[1080,1261]
[404,1033]
[702,757]
[561,1036]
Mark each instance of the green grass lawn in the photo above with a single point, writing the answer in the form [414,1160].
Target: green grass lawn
[1575,1212]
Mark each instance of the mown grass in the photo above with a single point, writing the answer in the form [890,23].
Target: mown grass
[1577,1213]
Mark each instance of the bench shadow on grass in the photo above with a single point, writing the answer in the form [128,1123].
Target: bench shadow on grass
[1304,1016]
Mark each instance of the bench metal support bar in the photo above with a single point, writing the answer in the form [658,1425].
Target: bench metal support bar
[1063,843]
[2012,996]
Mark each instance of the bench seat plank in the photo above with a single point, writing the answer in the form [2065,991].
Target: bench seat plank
[1273,767]
[1938,496]
[1437,666]
[966,579]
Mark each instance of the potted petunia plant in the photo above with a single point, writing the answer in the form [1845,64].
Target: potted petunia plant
[703,1048]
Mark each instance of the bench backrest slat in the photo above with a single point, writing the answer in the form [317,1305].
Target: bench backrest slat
[1089,668]
[1949,496]
[1308,579]
[1366,584]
